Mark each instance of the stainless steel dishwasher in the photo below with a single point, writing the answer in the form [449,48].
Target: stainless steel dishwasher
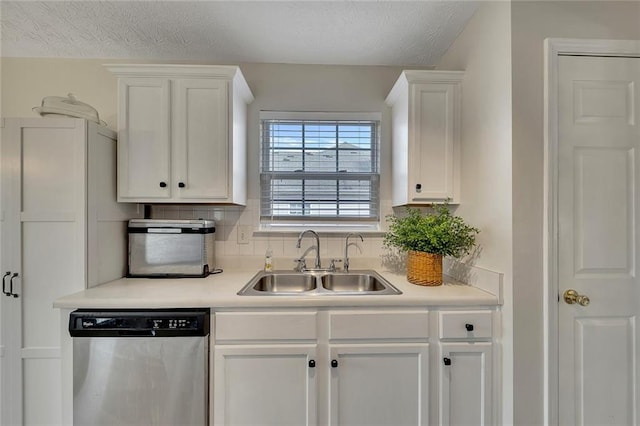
[142,367]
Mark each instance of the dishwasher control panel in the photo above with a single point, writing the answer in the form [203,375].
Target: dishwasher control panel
[173,323]
[149,323]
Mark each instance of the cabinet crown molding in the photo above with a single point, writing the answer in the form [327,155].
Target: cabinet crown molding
[432,76]
[177,70]
[420,76]
[230,73]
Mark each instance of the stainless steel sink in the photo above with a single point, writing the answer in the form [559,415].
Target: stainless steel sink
[284,283]
[352,282]
[287,283]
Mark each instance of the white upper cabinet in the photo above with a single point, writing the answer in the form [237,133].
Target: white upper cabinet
[182,133]
[144,143]
[426,137]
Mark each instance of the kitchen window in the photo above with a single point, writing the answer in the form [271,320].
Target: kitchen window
[319,168]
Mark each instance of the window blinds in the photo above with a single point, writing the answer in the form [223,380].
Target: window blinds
[320,170]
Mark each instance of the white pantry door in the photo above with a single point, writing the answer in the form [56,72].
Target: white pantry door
[599,239]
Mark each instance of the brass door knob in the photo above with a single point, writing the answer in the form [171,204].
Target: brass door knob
[571,296]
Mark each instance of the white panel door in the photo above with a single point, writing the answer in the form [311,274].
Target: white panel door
[598,239]
[144,139]
[385,384]
[265,385]
[466,384]
[200,139]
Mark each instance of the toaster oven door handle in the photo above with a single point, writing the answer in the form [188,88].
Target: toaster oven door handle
[164,230]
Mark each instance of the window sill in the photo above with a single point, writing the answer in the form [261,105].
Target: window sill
[372,230]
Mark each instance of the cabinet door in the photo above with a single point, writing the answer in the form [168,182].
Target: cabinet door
[200,139]
[466,379]
[9,235]
[144,143]
[45,228]
[264,385]
[433,146]
[385,384]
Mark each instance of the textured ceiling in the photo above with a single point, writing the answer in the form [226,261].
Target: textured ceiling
[296,32]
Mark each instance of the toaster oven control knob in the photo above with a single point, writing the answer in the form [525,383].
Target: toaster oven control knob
[163,184]
[181,185]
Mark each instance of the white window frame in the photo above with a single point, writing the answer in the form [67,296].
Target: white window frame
[329,224]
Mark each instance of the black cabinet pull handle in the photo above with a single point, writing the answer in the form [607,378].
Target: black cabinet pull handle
[447,361]
[312,363]
[418,186]
[11,285]
[4,283]
[163,184]
[334,363]
[181,185]
[469,327]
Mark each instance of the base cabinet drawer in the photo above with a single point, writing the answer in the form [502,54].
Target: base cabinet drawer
[468,325]
[378,325]
[265,326]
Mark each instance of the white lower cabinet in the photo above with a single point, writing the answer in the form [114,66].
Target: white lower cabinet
[268,384]
[379,384]
[265,368]
[337,367]
[465,376]
[466,368]
[354,366]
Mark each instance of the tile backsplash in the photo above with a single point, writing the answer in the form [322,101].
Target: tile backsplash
[282,244]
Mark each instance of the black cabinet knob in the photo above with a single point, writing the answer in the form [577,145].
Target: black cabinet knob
[447,361]
[469,327]
[312,363]
[163,184]
[334,363]
[11,285]
[181,185]
[4,283]
[418,186]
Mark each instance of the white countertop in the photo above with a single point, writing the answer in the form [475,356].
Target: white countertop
[220,292]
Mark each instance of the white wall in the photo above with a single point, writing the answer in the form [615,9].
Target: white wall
[483,51]
[531,23]
[25,81]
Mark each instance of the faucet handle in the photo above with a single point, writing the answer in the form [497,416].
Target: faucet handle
[301,265]
[332,265]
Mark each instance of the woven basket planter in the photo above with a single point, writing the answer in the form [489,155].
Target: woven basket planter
[424,268]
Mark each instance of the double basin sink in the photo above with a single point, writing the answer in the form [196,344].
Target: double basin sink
[287,283]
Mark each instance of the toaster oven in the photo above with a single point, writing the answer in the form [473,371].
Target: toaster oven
[171,248]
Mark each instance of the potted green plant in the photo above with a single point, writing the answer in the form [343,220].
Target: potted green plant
[426,238]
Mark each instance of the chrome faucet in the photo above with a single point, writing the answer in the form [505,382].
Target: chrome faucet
[346,250]
[315,234]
